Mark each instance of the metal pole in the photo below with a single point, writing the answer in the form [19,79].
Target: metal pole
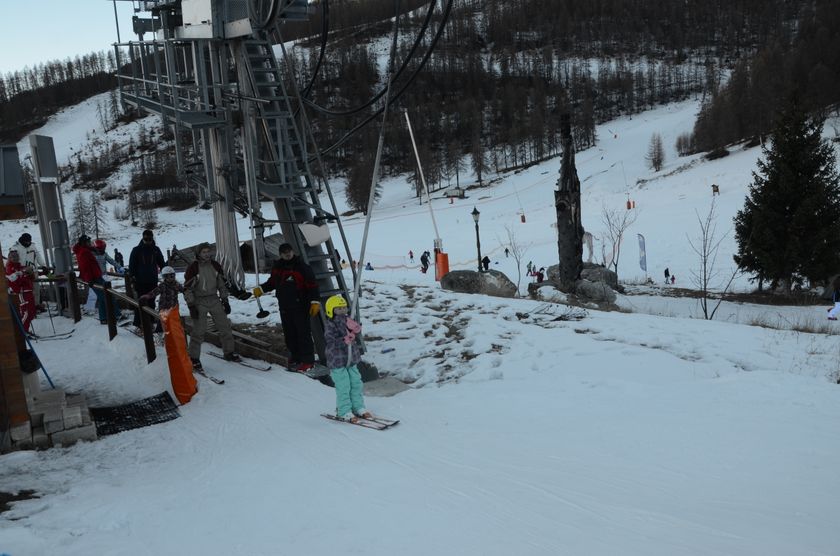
[478,246]
[422,177]
[117,23]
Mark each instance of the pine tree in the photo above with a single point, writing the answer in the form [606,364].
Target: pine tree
[80,213]
[96,212]
[656,153]
[789,228]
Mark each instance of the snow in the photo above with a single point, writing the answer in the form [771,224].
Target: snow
[650,431]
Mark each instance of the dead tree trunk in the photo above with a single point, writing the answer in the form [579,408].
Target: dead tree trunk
[567,204]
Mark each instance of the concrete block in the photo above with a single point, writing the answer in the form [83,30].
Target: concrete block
[76,399]
[53,421]
[31,385]
[68,437]
[37,420]
[72,416]
[50,398]
[21,432]
[40,438]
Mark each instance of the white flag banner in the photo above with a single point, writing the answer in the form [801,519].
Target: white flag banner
[642,255]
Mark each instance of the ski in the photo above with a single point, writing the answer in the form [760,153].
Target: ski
[209,377]
[242,362]
[56,336]
[375,423]
[317,371]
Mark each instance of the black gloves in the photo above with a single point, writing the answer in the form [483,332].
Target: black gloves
[193,312]
[226,305]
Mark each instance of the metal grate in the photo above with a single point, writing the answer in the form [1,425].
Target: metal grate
[149,411]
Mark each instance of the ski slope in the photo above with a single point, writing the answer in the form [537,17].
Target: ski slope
[522,433]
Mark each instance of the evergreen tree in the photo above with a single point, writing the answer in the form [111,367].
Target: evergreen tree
[80,213]
[96,212]
[789,228]
[656,153]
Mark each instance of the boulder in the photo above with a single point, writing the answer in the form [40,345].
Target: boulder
[595,291]
[491,282]
[598,273]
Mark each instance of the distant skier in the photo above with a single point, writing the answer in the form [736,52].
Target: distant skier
[424,262]
[368,266]
[507,252]
[667,275]
[673,278]
[485,262]
[835,297]
[411,256]
[343,354]
[119,257]
[530,268]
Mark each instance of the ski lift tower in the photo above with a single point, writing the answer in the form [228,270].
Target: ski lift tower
[208,69]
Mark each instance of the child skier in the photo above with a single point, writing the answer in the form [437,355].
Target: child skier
[180,366]
[339,333]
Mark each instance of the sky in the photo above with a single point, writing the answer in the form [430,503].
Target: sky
[524,429]
[36,31]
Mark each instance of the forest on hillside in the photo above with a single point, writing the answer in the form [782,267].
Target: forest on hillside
[485,81]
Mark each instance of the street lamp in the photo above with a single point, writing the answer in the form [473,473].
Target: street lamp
[475,215]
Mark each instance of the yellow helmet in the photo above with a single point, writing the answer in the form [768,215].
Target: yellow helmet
[333,302]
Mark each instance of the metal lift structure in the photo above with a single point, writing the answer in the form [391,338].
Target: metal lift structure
[208,68]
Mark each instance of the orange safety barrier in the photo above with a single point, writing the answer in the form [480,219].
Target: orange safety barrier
[441,265]
[180,366]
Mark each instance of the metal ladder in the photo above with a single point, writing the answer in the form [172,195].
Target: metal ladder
[282,172]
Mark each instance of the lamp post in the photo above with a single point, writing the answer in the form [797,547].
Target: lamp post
[475,215]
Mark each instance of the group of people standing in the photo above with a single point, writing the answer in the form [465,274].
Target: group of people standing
[296,289]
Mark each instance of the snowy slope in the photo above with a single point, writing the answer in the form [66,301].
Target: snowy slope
[620,433]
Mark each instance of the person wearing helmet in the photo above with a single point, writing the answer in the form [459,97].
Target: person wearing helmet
[90,272]
[31,257]
[20,279]
[103,258]
[343,354]
[168,290]
[299,299]
[180,367]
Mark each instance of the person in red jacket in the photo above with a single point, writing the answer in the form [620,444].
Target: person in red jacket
[21,281]
[91,272]
[299,301]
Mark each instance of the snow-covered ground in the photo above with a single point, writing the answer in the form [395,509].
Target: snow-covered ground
[646,432]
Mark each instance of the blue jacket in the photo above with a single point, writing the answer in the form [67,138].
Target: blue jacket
[334,332]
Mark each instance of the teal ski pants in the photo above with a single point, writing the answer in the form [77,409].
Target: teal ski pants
[348,390]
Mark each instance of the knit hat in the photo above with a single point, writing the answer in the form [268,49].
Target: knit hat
[332,303]
[285,248]
[167,270]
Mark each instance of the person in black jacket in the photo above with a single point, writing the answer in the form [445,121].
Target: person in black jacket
[143,265]
[297,295]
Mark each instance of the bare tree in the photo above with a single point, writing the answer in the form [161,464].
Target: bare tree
[616,223]
[706,246]
[517,249]
[656,153]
